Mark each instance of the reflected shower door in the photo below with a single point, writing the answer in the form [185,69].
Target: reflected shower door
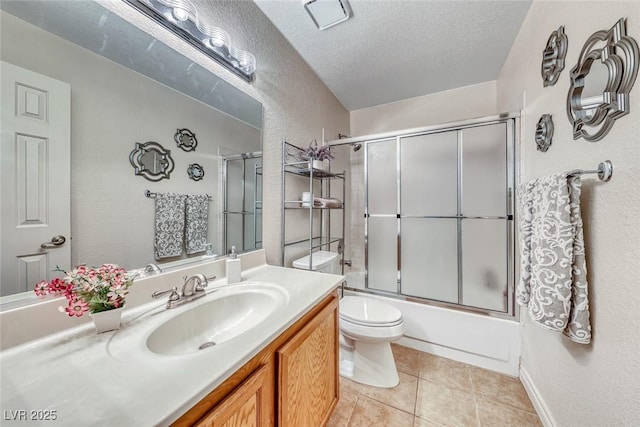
[243,202]
[234,205]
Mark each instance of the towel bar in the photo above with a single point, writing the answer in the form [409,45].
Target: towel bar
[151,195]
[604,171]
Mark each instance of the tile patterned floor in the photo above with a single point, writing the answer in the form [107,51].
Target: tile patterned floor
[435,391]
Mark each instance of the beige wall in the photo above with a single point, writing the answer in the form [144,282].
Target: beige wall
[597,384]
[297,105]
[434,109]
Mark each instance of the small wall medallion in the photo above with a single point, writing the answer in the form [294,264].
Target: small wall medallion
[151,161]
[186,139]
[544,132]
[195,172]
[553,57]
[601,81]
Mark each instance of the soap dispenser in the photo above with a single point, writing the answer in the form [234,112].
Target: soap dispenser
[234,268]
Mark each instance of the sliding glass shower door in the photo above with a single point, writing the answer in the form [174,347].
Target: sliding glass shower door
[438,222]
[428,210]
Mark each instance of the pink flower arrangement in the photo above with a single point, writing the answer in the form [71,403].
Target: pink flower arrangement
[93,289]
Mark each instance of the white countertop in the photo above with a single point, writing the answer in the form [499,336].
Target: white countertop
[111,379]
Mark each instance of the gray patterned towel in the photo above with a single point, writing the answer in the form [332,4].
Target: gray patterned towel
[553,274]
[169,235]
[197,222]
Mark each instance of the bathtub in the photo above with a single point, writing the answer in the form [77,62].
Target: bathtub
[477,339]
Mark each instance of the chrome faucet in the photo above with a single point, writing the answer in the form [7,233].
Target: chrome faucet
[198,281]
[192,288]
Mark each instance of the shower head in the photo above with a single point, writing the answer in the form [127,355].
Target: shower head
[357,146]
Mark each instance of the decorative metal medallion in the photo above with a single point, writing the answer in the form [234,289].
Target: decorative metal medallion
[186,139]
[601,81]
[544,132]
[151,161]
[553,57]
[195,171]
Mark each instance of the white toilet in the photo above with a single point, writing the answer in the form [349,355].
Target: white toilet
[367,327]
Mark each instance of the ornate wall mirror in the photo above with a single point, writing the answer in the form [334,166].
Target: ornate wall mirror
[544,133]
[601,81]
[127,86]
[195,172]
[553,57]
[186,139]
[151,161]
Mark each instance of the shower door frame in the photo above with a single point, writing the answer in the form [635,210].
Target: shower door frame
[511,120]
[257,204]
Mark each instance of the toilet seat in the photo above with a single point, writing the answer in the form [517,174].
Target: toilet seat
[368,312]
[369,333]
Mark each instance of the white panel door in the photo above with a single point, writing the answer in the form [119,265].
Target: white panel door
[35,177]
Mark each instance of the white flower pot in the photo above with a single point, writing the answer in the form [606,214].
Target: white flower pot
[107,320]
[319,164]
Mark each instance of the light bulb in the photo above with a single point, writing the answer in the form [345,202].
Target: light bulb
[217,41]
[180,14]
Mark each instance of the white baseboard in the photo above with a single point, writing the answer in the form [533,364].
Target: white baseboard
[541,408]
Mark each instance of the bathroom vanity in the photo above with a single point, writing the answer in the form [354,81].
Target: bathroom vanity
[300,367]
[281,371]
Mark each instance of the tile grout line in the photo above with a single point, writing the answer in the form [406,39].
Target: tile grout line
[415,404]
[475,398]
[352,411]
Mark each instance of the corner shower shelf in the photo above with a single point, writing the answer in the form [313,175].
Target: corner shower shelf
[318,182]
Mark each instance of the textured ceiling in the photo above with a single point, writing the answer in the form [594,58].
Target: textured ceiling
[396,49]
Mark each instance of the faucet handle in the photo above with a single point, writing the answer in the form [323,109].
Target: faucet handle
[173,291]
[203,283]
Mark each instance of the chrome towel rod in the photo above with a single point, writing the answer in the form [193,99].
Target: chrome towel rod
[151,195]
[604,171]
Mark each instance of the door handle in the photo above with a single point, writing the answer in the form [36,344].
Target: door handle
[54,243]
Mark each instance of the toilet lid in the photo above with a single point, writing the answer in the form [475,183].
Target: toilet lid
[368,311]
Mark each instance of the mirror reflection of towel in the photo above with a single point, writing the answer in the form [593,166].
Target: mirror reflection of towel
[319,202]
[553,275]
[197,221]
[169,225]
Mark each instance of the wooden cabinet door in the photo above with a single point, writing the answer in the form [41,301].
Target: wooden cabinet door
[308,384]
[249,405]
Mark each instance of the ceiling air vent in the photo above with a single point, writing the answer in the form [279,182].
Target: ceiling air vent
[327,13]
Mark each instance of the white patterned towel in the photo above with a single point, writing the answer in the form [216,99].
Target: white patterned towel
[197,223]
[169,233]
[553,274]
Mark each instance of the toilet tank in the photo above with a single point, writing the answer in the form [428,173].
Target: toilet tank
[322,261]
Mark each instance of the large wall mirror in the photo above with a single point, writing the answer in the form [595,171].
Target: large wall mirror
[127,88]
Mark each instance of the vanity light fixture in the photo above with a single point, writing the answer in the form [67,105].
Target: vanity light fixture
[182,18]
[327,13]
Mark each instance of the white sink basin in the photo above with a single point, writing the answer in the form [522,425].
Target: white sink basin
[224,315]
